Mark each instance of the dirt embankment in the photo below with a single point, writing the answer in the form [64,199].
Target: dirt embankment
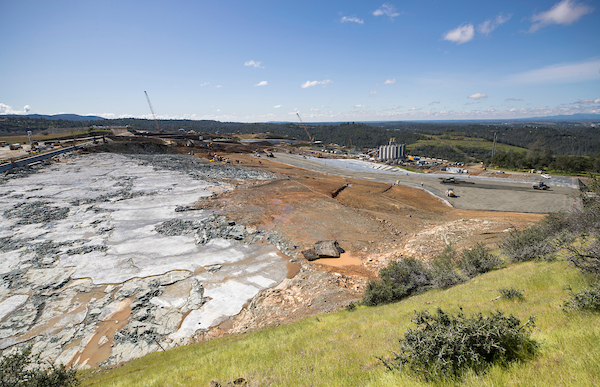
[373,222]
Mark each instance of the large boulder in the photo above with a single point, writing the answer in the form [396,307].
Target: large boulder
[310,254]
[328,249]
[323,249]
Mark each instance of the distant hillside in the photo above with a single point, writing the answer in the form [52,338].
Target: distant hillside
[67,117]
[572,117]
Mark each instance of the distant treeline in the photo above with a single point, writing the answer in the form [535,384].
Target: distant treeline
[533,160]
[561,138]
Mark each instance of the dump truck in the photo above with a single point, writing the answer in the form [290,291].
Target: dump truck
[540,185]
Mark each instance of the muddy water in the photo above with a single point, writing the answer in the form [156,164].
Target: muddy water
[95,352]
[292,269]
[55,324]
[345,259]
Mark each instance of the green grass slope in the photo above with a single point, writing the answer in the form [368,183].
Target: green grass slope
[339,349]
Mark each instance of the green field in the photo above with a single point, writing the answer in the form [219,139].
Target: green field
[340,349]
[457,147]
[472,142]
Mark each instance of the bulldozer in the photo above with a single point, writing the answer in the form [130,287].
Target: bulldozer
[540,185]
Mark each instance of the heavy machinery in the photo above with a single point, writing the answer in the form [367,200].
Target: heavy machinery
[540,185]
[450,193]
[448,180]
[311,138]
[152,110]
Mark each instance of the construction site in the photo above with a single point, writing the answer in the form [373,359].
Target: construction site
[141,243]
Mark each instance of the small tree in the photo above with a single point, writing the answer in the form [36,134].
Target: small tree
[398,280]
[443,268]
[478,260]
[23,369]
[445,346]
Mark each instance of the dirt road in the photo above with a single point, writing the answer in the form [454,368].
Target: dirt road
[473,193]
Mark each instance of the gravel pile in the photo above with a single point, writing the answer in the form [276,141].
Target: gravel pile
[200,169]
[214,226]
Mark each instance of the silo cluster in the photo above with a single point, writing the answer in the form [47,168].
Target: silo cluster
[391,152]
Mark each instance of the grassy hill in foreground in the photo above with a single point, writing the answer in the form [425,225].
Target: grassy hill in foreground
[340,349]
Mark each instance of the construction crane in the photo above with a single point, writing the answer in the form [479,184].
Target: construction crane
[306,130]
[152,110]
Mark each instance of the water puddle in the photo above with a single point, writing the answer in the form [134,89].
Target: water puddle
[345,259]
[64,318]
[100,345]
[292,269]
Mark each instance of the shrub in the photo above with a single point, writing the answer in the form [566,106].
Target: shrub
[23,369]
[398,280]
[478,260]
[587,299]
[443,272]
[511,294]
[585,256]
[528,244]
[444,346]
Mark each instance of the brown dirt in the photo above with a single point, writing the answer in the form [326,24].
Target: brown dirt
[374,222]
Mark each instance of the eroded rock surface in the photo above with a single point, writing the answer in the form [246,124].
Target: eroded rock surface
[98,264]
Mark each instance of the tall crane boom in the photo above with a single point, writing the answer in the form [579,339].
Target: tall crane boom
[306,130]
[152,110]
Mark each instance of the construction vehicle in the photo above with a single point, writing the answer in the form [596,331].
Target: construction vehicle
[540,185]
[311,138]
[449,180]
[450,193]
[152,110]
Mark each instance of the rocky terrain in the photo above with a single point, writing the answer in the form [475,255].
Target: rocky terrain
[106,257]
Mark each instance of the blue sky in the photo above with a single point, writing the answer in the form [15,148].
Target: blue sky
[257,61]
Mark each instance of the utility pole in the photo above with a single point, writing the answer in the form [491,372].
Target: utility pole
[494,145]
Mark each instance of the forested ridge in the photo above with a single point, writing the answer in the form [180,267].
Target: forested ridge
[569,147]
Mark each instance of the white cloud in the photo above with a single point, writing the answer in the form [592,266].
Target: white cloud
[477,96]
[565,13]
[254,64]
[351,19]
[7,109]
[314,83]
[390,81]
[415,109]
[373,92]
[359,106]
[460,34]
[489,25]
[560,73]
[277,106]
[204,84]
[588,101]
[386,9]
[262,83]
[218,86]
